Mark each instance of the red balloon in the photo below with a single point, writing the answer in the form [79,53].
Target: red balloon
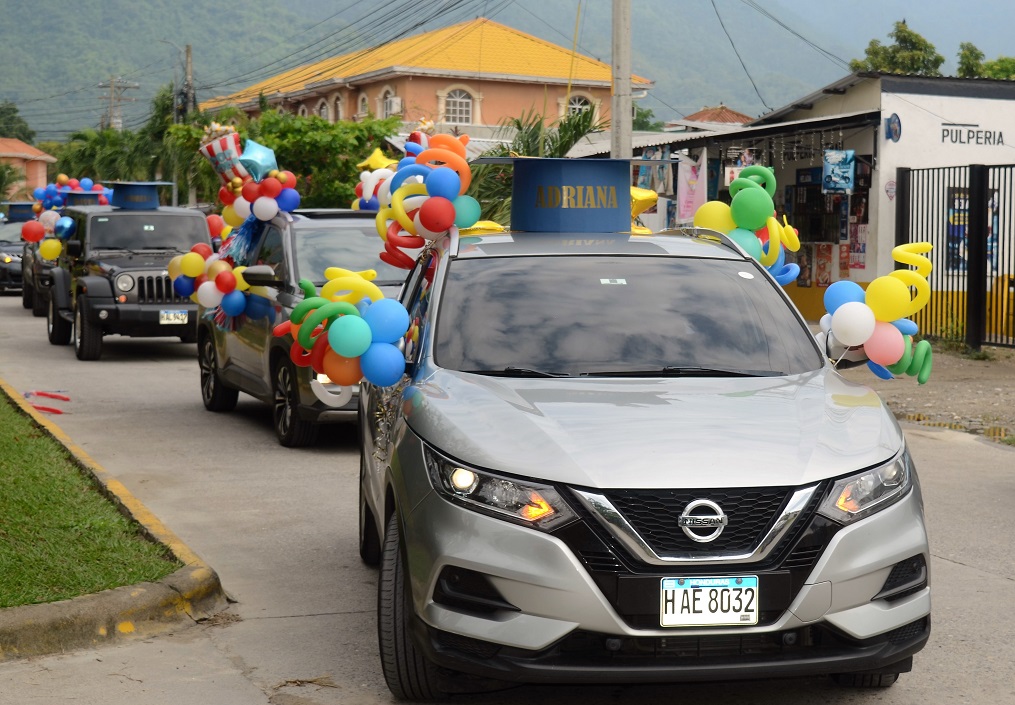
[437,214]
[225,281]
[251,191]
[359,190]
[215,225]
[289,181]
[762,234]
[202,249]
[226,195]
[270,187]
[33,231]
[103,201]
[96,187]
[73,183]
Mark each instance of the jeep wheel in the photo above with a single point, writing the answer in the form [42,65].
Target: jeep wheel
[58,329]
[215,395]
[39,302]
[369,543]
[409,675]
[87,335]
[865,680]
[292,431]
[27,295]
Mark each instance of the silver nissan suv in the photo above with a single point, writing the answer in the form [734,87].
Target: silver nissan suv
[625,459]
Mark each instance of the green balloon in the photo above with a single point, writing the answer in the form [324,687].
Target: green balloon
[467,211]
[751,208]
[748,241]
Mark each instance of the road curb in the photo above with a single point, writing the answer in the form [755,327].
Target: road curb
[190,594]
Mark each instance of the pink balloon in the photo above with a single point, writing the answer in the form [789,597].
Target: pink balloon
[886,345]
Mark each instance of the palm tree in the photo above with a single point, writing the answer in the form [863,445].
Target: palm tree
[491,183]
[9,176]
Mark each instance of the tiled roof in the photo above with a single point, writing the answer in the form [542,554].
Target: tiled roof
[476,48]
[720,114]
[10,147]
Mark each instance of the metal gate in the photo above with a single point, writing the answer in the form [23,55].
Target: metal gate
[968,214]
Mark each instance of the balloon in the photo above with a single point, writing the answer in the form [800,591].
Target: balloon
[341,370]
[48,220]
[437,214]
[257,306]
[288,200]
[183,285]
[33,231]
[383,364]
[271,187]
[889,299]
[853,323]
[349,336]
[226,195]
[231,217]
[86,184]
[879,370]
[387,319]
[64,227]
[751,208]
[203,249]
[39,193]
[906,326]
[208,295]
[50,249]
[225,281]
[467,211]
[241,283]
[841,292]
[192,264]
[174,267]
[714,215]
[258,160]
[62,179]
[215,225]
[234,303]
[251,191]
[265,208]
[885,346]
[747,241]
[242,208]
[443,182]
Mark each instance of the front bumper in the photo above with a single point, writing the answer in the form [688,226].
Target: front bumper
[10,276]
[569,609]
[140,320]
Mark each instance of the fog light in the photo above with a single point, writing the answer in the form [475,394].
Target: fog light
[103,315]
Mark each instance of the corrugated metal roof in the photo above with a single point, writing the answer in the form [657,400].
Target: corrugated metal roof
[479,47]
[597,143]
[10,147]
[474,148]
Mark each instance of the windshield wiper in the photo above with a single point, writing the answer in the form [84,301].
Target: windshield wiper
[689,371]
[517,372]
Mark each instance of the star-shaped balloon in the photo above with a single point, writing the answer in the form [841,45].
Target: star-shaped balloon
[258,160]
[376,160]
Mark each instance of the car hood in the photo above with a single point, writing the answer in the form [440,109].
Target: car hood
[112,261]
[689,432]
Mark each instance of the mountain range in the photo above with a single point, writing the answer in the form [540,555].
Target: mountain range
[67,66]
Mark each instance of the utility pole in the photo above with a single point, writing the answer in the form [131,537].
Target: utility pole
[188,84]
[620,101]
[114,115]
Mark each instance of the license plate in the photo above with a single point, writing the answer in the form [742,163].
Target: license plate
[172,317]
[709,601]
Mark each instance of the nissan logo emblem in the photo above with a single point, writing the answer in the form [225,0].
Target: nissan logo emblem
[706,524]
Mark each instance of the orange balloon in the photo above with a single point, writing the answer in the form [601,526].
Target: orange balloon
[342,370]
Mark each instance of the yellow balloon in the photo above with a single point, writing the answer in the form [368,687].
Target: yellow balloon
[888,297]
[641,200]
[192,264]
[174,267]
[350,289]
[241,283]
[231,217]
[50,248]
[714,215]
[399,209]
[336,272]
[226,232]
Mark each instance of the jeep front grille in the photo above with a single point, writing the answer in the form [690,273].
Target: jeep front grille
[157,290]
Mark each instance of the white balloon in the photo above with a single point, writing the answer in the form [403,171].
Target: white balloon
[209,295]
[242,207]
[265,208]
[853,323]
[423,232]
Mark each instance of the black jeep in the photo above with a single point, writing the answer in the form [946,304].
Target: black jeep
[112,277]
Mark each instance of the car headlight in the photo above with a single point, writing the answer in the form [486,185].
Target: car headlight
[520,501]
[858,496]
[125,282]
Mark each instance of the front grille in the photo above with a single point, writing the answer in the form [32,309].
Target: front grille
[466,645]
[907,577]
[908,632]
[710,647]
[157,290]
[654,513]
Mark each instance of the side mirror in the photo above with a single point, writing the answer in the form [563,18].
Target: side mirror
[73,248]
[262,275]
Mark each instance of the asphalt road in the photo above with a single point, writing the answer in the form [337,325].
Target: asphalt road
[279,526]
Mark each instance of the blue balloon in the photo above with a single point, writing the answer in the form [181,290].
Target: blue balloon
[369,205]
[86,184]
[51,190]
[879,370]
[57,200]
[444,182]
[413,148]
[842,292]
[39,193]
[906,326]
[64,227]
[257,306]
[183,285]
[787,274]
[288,200]
[234,303]
[405,162]
[404,173]
[388,320]
[382,364]
[258,160]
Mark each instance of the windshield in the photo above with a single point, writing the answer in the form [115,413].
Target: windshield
[348,244]
[147,230]
[595,315]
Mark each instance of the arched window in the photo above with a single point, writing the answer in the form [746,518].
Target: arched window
[322,109]
[458,107]
[578,104]
[338,108]
[302,111]
[364,107]
[391,104]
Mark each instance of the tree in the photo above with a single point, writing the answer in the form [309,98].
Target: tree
[910,54]
[970,61]
[13,125]
[1003,67]
[643,120]
[10,175]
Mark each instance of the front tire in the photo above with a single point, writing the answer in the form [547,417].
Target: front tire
[87,335]
[39,303]
[369,542]
[409,675]
[292,431]
[58,329]
[215,395]
[27,295]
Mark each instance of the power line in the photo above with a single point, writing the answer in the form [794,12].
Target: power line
[739,58]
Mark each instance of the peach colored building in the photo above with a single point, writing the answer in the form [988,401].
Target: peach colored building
[470,76]
[31,162]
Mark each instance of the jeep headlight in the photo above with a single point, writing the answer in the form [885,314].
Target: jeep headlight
[124,283]
[858,496]
[529,503]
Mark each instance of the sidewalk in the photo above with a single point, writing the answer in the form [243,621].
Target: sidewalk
[191,594]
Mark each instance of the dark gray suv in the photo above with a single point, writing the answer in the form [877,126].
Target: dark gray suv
[241,354]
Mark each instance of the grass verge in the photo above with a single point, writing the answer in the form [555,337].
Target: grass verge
[60,537]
